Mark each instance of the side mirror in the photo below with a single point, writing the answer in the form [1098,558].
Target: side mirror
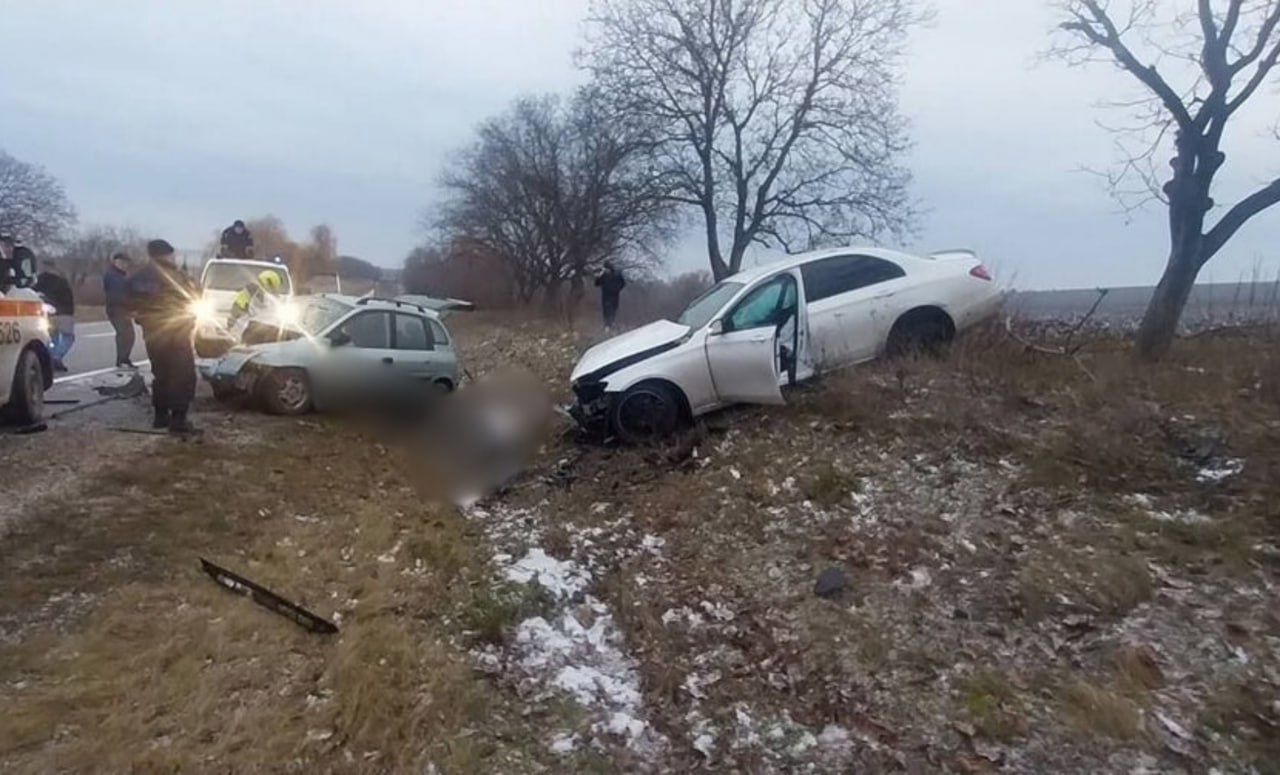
[717,328]
[339,338]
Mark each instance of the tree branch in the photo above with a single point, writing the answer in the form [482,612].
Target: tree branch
[1109,37]
[1239,215]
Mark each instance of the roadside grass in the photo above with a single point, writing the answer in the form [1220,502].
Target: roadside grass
[167,671]
[1004,577]
[1094,711]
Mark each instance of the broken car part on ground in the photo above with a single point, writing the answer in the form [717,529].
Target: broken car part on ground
[267,599]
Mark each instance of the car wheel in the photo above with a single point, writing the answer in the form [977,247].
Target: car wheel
[646,412]
[286,391]
[26,399]
[918,333]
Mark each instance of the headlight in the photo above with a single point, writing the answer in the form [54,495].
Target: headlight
[43,324]
[203,311]
[48,309]
[287,313]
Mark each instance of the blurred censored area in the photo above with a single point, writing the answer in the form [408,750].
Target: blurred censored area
[471,442]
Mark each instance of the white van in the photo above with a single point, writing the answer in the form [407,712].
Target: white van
[222,279]
[26,370]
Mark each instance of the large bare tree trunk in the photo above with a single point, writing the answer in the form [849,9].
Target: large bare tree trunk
[1160,322]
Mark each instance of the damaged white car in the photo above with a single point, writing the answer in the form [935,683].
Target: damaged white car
[341,349]
[776,325]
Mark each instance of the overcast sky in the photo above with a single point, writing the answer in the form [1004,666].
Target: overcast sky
[178,117]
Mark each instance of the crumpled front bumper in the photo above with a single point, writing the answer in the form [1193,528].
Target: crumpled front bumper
[230,372]
[591,410]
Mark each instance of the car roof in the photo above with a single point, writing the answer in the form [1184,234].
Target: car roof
[249,262]
[372,302]
[789,262]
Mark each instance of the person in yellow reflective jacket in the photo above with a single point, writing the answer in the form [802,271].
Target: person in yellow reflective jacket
[253,297]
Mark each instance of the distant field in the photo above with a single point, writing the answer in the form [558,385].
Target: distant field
[1220,301]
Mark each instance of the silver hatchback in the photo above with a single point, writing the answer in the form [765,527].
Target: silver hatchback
[338,350]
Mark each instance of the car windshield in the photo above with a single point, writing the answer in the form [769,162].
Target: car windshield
[319,313]
[702,309]
[232,277]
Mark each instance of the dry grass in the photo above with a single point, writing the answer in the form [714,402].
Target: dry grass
[1068,580]
[993,548]
[1093,710]
[169,672]
[994,706]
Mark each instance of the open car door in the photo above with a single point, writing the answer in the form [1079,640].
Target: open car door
[742,347]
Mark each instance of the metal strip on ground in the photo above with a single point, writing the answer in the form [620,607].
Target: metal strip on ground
[267,599]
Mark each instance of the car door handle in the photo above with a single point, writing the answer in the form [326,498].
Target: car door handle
[759,339]
[388,360]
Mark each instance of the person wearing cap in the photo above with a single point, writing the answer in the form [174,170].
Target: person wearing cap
[115,289]
[160,297]
[62,324]
[237,242]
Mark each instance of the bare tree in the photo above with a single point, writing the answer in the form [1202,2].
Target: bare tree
[1197,69]
[33,205]
[778,118]
[555,190]
[87,253]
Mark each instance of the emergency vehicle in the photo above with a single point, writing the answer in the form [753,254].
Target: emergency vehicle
[26,369]
[221,280]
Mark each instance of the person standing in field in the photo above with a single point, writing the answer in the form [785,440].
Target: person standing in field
[161,297]
[57,292]
[115,288]
[610,282]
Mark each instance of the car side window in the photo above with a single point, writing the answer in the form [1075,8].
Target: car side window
[411,333]
[832,276]
[763,306]
[438,334]
[371,330]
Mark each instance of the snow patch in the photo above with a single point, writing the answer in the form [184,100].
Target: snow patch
[1219,471]
[562,578]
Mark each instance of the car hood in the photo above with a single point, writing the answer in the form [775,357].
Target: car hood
[294,352]
[631,346]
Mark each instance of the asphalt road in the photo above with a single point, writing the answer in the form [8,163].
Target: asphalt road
[94,352]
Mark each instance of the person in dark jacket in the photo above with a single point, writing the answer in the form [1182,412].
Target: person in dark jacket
[610,283]
[62,324]
[17,263]
[7,275]
[237,242]
[115,289]
[161,298]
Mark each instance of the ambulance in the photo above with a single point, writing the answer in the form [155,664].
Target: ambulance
[26,369]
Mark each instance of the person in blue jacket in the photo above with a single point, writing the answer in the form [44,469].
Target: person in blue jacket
[115,288]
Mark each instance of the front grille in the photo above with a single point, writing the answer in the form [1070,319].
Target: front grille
[588,392]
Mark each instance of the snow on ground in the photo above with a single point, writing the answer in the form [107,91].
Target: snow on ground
[577,650]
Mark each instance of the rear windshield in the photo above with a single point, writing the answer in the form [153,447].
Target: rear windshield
[233,277]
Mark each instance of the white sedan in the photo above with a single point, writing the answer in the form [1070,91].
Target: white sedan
[776,325]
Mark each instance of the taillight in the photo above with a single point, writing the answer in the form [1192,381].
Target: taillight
[980,272]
